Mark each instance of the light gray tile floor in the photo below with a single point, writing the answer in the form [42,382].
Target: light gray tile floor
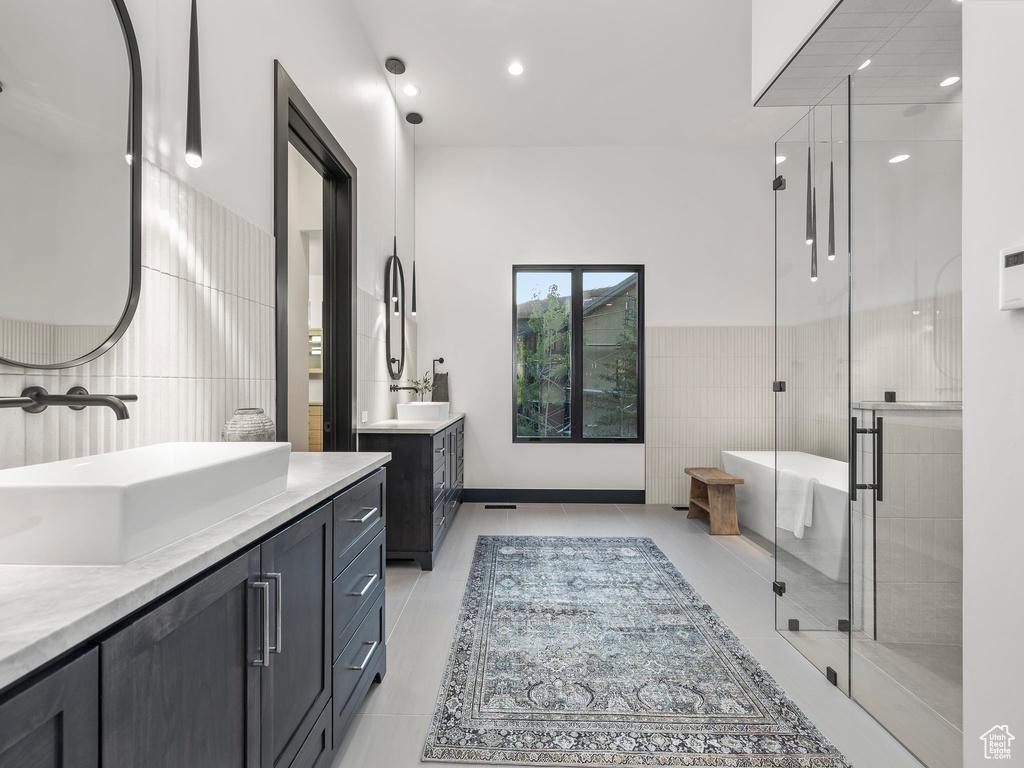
[730,572]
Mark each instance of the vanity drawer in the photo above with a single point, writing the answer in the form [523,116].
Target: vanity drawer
[441,522]
[318,748]
[358,517]
[438,449]
[359,654]
[440,485]
[355,589]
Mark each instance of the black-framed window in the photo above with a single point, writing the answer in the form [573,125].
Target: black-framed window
[578,364]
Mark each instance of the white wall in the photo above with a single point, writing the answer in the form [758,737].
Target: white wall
[779,28]
[993,370]
[699,218]
[217,340]
[324,48]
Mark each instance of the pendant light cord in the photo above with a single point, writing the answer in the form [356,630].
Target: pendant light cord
[414,195]
[395,184]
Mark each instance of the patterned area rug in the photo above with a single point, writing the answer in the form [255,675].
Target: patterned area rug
[596,651]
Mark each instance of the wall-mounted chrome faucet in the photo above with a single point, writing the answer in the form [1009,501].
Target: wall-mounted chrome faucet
[37,400]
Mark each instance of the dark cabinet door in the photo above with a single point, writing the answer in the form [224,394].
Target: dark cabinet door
[298,564]
[54,722]
[180,686]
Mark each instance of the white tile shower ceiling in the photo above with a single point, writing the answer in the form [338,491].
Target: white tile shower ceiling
[913,46]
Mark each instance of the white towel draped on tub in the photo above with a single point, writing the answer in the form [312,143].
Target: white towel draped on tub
[795,508]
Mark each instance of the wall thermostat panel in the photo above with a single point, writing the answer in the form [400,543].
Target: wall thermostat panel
[1011,278]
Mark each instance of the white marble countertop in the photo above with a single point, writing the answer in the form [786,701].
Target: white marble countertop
[46,610]
[910,405]
[396,427]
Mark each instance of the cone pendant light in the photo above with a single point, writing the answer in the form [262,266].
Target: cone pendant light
[414,119]
[814,239]
[810,230]
[193,118]
[831,212]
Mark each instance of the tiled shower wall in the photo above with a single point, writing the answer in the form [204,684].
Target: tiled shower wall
[200,345]
[708,389]
[914,349]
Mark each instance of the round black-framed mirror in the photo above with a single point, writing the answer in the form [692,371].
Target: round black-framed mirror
[71,162]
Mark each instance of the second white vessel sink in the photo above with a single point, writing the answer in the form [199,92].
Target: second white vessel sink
[423,411]
[116,507]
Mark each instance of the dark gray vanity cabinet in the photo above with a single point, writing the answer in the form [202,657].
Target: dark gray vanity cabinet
[425,484]
[297,683]
[181,684]
[54,722]
[237,668]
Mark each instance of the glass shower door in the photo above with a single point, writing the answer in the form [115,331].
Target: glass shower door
[906,659]
[812,299]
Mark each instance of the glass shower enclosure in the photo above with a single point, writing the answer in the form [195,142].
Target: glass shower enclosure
[868,466]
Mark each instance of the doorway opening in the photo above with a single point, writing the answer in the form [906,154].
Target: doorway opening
[316,299]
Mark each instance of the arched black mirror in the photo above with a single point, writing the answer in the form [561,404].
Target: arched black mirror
[70,180]
[394,295]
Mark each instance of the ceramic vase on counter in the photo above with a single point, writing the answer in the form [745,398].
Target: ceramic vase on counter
[249,425]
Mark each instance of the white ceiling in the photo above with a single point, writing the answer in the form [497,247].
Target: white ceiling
[912,44]
[598,72]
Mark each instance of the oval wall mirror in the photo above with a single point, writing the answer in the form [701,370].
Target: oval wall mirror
[394,296]
[70,180]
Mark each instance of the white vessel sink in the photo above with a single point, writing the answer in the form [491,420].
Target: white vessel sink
[423,411]
[115,507]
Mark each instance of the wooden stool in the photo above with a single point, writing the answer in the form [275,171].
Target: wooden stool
[713,493]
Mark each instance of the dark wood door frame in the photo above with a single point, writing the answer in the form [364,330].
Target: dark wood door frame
[297,123]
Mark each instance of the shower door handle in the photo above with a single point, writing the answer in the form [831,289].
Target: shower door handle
[877,435]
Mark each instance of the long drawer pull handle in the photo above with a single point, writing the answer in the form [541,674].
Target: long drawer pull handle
[369,653]
[370,583]
[276,577]
[265,647]
[370,512]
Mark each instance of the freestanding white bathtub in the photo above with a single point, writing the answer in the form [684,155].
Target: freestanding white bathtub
[825,545]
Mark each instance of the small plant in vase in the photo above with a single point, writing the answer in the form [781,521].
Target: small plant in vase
[422,386]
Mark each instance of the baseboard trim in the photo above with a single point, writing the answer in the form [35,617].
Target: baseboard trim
[553,496]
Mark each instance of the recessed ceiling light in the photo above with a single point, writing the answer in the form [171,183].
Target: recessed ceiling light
[780,159]
[515,68]
[899,158]
[950,81]
[411,90]
[866,62]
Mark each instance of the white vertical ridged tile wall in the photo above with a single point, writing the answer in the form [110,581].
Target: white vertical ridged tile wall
[45,343]
[201,343]
[708,389]
[373,393]
[919,356]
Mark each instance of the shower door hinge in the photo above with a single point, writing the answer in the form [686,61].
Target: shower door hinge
[779,183]
[832,676]
[844,625]
[779,587]
[778,386]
